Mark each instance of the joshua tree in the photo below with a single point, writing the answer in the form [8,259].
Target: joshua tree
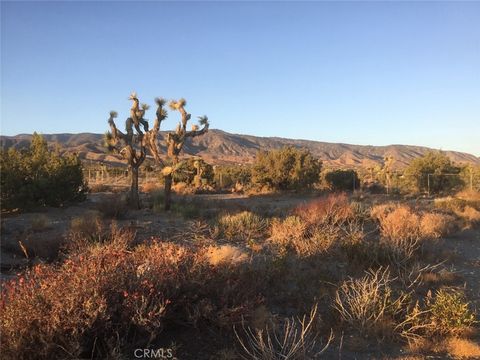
[133,147]
[388,161]
[176,140]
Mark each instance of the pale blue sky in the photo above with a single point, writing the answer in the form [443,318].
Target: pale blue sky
[355,72]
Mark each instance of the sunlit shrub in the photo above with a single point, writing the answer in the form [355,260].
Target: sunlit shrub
[369,305]
[435,225]
[113,292]
[333,209]
[242,226]
[450,312]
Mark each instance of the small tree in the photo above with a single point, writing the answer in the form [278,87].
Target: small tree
[432,171]
[288,168]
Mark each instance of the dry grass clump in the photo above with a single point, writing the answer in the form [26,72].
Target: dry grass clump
[399,221]
[114,207]
[225,254]
[294,234]
[463,348]
[151,186]
[404,231]
[466,209]
[111,293]
[400,224]
[468,195]
[243,226]
[84,231]
[435,225]
[289,340]
[470,214]
[292,229]
[378,212]
[314,227]
[183,188]
[332,209]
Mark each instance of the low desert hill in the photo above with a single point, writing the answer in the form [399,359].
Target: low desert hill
[219,147]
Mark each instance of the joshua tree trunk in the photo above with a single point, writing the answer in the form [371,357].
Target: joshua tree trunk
[134,199]
[168,191]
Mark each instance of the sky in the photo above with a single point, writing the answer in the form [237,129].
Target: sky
[373,73]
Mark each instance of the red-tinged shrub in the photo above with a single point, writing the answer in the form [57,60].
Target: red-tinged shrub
[333,209]
[98,299]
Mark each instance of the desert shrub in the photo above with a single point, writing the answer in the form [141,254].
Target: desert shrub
[450,204]
[85,230]
[450,312]
[225,254]
[369,304]
[331,209]
[157,200]
[288,168]
[114,207]
[435,225]
[227,177]
[243,226]
[342,180]
[314,227]
[378,212]
[470,214]
[400,230]
[290,229]
[111,293]
[463,348]
[468,210]
[438,164]
[401,223]
[40,177]
[469,195]
[152,186]
[290,340]
[295,235]
[182,188]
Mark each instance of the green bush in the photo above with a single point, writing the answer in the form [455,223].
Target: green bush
[288,168]
[442,172]
[228,176]
[342,180]
[40,177]
[244,226]
[450,312]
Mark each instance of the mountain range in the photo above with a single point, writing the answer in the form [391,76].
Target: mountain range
[219,147]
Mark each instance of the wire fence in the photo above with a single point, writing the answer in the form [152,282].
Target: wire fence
[118,176]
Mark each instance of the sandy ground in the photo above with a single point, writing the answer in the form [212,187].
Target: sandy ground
[461,251]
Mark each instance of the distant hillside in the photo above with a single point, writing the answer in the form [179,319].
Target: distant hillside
[221,147]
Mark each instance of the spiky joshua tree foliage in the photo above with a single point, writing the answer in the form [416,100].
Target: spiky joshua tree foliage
[134,144]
